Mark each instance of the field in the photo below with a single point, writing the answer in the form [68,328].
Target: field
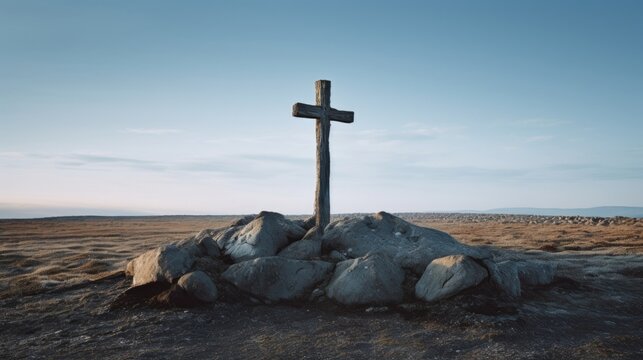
[58,277]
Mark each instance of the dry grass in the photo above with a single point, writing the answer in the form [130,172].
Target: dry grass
[614,239]
[39,254]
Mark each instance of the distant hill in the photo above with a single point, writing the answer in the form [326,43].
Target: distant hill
[11,211]
[601,211]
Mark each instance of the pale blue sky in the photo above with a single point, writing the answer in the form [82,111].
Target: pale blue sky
[184,106]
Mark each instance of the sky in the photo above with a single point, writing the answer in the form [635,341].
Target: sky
[184,107]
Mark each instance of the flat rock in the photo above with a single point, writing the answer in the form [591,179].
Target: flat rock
[535,272]
[447,276]
[277,278]
[412,247]
[199,285]
[165,263]
[264,236]
[371,279]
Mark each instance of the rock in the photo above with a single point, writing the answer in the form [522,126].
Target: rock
[504,275]
[277,278]
[337,256]
[413,247]
[139,295]
[243,221]
[305,249]
[207,243]
[190,246]
[201,244]
[316,294]
[447,276]
[199,285]
[211,266]
[533,272]
[165,263]
[370,279]
[264,236]
[310,223]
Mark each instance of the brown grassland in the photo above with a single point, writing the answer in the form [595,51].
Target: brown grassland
[59,275]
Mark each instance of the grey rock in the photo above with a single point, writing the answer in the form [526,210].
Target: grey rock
[165,263]
[337,256]
[264,236]
[305,249]
[504,275]
[316,294]
[370,279]
[277,278]
[208,244]
[201,244]
[190,246]
[447,276]
[199,285]
[534,272]
[243,221]
[413,247]
[310,223]
[308,248]
[311,233]
[209,265]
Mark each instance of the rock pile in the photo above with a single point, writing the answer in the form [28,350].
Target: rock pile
[370,260]
[520,219]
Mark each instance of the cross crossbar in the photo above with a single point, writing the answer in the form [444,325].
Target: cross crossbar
[317,112]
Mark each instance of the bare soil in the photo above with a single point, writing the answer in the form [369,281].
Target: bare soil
[58,277]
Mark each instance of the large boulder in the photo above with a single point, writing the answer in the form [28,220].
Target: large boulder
[277,278]
[412,247]
[165,263]
[447,276]
[199,285]
[370,279]
[264,236]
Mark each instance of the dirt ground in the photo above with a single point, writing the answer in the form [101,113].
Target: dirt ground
[57,279]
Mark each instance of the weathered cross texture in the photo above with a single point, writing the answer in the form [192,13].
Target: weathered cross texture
[324,114]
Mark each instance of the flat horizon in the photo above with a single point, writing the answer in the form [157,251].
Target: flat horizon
[29,212]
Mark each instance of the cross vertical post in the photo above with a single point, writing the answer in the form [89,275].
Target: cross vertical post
[322,130]
[324,114]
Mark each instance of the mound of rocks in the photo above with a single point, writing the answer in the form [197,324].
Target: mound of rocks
[377,259]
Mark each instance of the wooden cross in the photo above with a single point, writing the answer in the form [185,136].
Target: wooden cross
[324,114]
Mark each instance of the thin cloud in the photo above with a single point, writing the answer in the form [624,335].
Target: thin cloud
[92,159]
[412,132]
[152,131]
[240,166]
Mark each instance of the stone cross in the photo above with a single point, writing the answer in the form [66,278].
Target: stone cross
[324,114]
